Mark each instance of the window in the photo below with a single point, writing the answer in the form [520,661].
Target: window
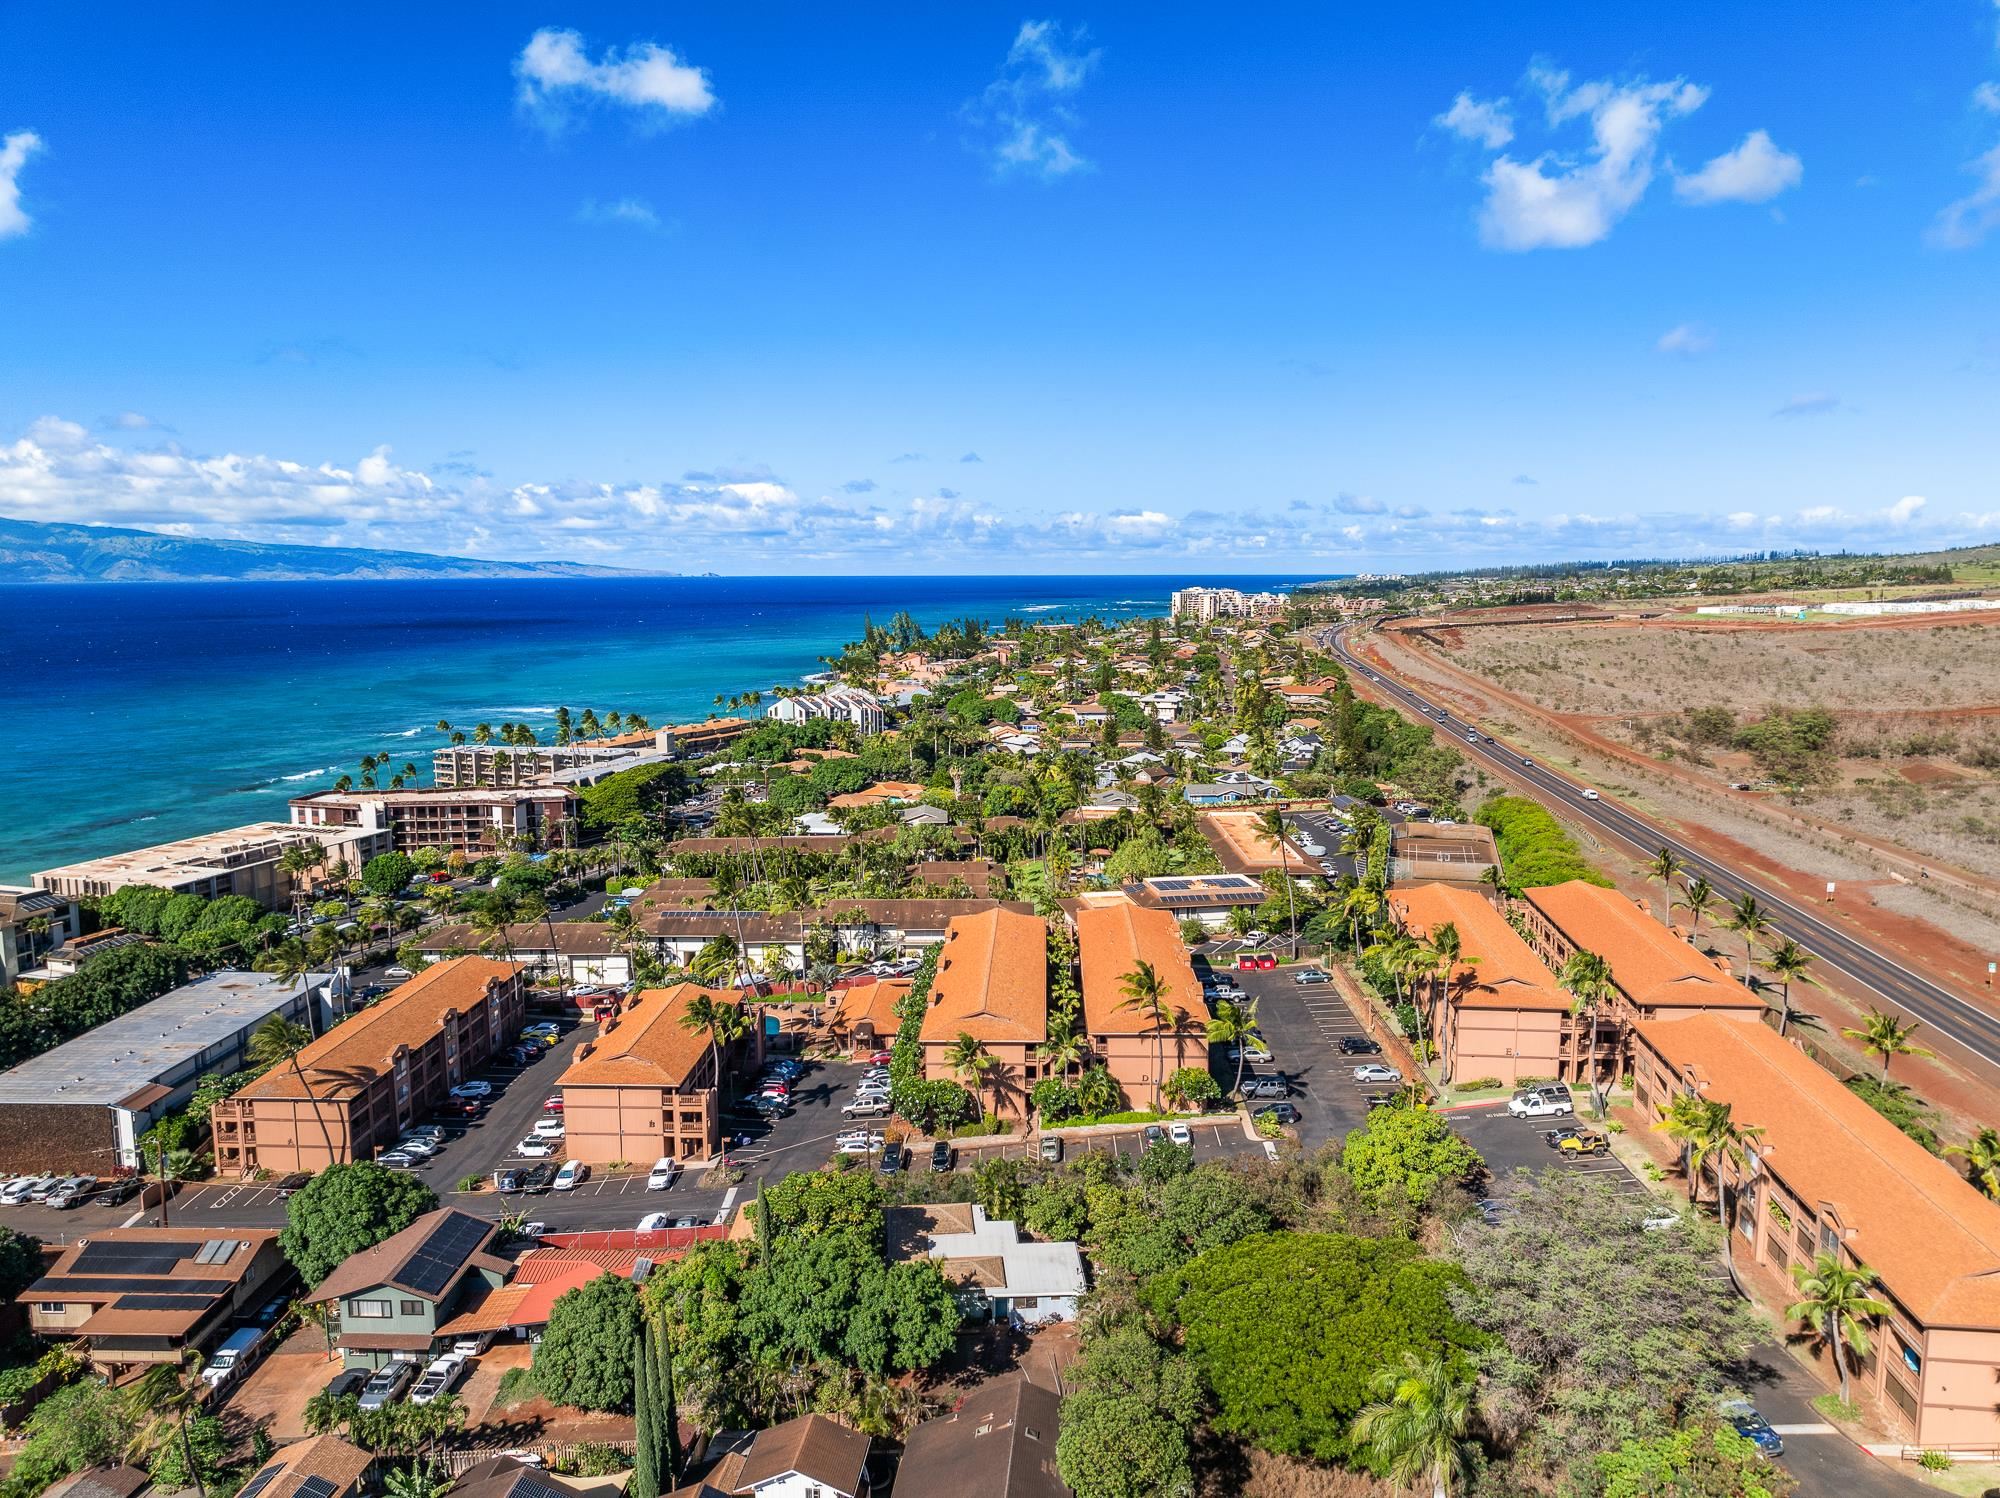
[368,1310]
[50,1307]
[411,1307]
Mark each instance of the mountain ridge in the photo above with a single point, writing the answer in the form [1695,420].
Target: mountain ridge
[33,551]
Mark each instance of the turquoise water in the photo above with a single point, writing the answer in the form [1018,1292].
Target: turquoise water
[138,713]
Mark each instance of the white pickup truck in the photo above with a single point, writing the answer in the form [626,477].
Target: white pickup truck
[1540,1103]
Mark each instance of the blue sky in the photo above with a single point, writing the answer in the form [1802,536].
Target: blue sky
[972,287]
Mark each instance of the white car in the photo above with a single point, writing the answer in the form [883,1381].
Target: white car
[438,1379]
[1375,1071]
[1256,1050]
[1591,796]
[398,973]
[1180,1133]
[654,1222]
[549,1128]
[535,1147]
[570,1176]
[861,1142]
[472,1091]
[662,1175]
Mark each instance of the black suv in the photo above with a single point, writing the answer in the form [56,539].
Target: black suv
[539,1178]
[893,1159]
[941,1155]
[1285,1113]
[1359,1045]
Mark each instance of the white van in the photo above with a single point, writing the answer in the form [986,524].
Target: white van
[233,1356]
[663,1174]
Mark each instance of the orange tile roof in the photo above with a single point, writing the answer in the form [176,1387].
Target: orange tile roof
[992,980]
[648,1046]
[1112,940]
[1651,966]
[363,1046]
[880,792]
[1933,1238]
[1508,975]
[874,1004]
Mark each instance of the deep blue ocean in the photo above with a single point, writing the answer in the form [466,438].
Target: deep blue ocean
[140,712]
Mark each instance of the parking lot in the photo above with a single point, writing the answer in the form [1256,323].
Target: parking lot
[1302,1028]
[1325,830]
[1512,1145]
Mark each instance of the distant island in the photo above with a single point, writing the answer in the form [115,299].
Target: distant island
[32,552]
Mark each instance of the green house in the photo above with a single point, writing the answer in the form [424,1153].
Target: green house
[392,1298]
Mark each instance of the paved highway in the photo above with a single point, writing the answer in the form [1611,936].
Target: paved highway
[1968,1024]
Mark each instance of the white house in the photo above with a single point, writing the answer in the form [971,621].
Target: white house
[810,1457]
[841,704]
[995,1270]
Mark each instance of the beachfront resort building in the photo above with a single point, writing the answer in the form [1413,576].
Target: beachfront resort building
[357,1088]
[1203,604]
[33,922]
[838,704]
[465,821]
[237,861]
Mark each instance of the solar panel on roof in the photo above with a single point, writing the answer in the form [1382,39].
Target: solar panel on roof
[260,1482]
[443,1254]
[143,1302]
[315,1487]
[125,1257]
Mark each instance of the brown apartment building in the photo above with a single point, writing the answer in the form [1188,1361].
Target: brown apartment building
[464,821]
[1500,1012]
[647,1087]
[1657,973]
[992,983]
[1112,940]
[1830,1175]
[359,1086]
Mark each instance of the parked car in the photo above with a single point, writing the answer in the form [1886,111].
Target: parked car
[238,1350]
[538,1178]
[399,1160]
[1359,1045]
[1285,1113]
[398,972]
[347,1381]
[1538,1103]
[549,1128]
[1307,977]
[662,1175]
[535,1147]
[1180,1133]
[879,1058]
[570,1176]
[874,1105]
[858,1142]
[438,1379]
[1151,1135]
[553,1104]
[119,1192]
[1375,1071]
[71,1192]
[1753,1427]
[943,1156]
[1255,1049]
[1052,1148]
[1267,1086]
[655,1222]
[474,1090]
[893,1158]
[507,1182]
[1577,1142]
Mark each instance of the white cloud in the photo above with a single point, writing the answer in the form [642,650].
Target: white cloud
[1904,510]
[1565,202]
[1484,121]
[1987,97]
[57,435]
[555,70]
[133,421]
[1965,223]
[1817,403]
[635,211]
[15,150]
[1755,172]
[1687,340]
[1024,115]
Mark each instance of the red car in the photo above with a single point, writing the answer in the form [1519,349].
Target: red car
[880,1058]
[552,1104]
[1248,961]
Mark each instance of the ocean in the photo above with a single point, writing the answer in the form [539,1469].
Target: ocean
[137,713]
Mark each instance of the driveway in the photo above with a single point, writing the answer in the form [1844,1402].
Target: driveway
[1302,1027]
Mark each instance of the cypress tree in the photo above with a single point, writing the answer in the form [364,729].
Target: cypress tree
[668,1416]
[645,1481]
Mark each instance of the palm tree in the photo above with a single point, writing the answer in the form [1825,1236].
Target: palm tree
[297,861]
[1064,1051]
[1748,920]
[1146,995]
[1272,824]
[1399,956]
[1495,879]
[1888,1036]
[1788,961]
[1358,905]
[1834,1301]
[972,1063]
[1982,1160]
[1664,866]
[725,1022]
[279,1041]
[166,1395]
[493,920]
[1444,954]
[1586,977]
[1708,1133]
[1416,1428]
[1096,1091]
[1235,1024]
[1698,898]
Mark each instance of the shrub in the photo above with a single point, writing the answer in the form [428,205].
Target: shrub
[1534,850]
[1481,1084]
[1934,1460]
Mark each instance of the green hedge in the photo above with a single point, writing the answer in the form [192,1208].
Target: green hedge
[1534,850]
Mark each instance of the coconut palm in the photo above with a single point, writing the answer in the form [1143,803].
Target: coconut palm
[1982,1160]
[279,1042]
[1399,956]
[1788,962]
[1888,1036]
[1665,866]
[493,920]
[1709,1134]
[725,1022]
[166,1395]
[1272,824]
[973,1064]
[1358,906]
[1699,897]
[1064,1051]
[1415,1430]
[1834,1302]
[1442,957]
[297,861]
[1235,1024]
[1748,920]
[1586,978]
[1146,995]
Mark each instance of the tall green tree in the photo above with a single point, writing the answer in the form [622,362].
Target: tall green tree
[1272,824]
[1146,996]
[1416,1429]
[1982,1160]
[1235,1024]
[1888,1036]
[1665,866]
[1586,977]
[1789,963]
[346,1209]
[1836,1304]
[972,1063]
[278,1042]
[585,1356]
